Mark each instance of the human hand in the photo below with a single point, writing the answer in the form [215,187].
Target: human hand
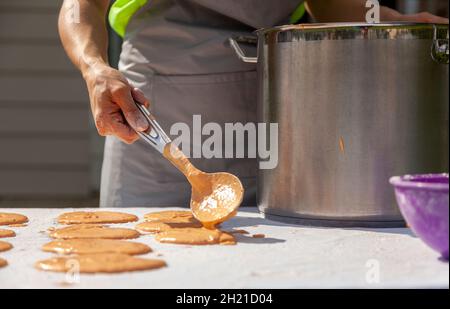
[112,104]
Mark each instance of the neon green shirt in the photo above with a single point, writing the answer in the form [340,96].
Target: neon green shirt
[121,13]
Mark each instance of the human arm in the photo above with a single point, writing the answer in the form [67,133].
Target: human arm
[111,96]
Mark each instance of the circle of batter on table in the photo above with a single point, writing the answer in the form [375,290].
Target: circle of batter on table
[96,217]
[100,263]
[5,246]
[92,246]
[12,218]
[7,233]
[93,231]
[3,263]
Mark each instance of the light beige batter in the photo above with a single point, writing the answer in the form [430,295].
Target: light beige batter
[259,236]
[12,218]
[180,227]
[215,197]
[166,220]
[195,236]
[18,225]
[219,205]
[5,246]
[91,246]
[153,227]
[83,231]
[3,263]
[7,233]
[179,216]
[98,217]
[100,263]
[243,232]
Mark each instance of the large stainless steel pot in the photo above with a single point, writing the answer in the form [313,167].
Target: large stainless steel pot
[356,104]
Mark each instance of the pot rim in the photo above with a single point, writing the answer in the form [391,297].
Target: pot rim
[356,26]
[413,182]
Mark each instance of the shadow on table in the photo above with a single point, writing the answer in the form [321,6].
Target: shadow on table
[399,231]
[443,260]
[242,221]
[245,221]
[248,239]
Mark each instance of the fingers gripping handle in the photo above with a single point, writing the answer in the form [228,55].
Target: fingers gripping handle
[155,135]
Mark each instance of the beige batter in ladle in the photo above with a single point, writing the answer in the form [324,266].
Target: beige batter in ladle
[215,196]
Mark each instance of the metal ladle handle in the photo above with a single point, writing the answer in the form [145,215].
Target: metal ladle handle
[155,135]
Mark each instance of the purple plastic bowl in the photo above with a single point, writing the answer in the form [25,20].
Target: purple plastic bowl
[423,201]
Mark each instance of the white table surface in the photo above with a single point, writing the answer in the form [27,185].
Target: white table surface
[289,257]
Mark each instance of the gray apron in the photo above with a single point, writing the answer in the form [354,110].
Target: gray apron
[176,52]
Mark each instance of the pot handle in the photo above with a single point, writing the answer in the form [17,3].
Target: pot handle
[240,53]
[440,48]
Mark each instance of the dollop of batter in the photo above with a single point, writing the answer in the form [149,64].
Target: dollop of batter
[18,225]
[153,227]
[91,246]
[238,231]
[259,236]
[5,246]
[180,227]
[7,233]
[100,263]
[157,222]
[84,231]
[178,216]
[3,263]
[195,236]
[12,218]
[87,217]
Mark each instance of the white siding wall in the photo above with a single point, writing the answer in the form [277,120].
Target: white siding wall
[45,144]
